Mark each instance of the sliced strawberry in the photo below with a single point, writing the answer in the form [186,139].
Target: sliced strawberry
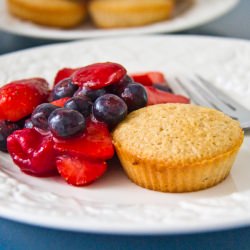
[149,78]
[64,73]
[60,102]
[18,99]
[33,152]
[95,143]
[99,75]
[78,171]
[156,96]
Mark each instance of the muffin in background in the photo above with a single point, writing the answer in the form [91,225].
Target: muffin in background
[129,13]
[177,147]
[54,13]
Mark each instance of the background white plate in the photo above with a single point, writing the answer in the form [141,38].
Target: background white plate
[202,12]
[114,204]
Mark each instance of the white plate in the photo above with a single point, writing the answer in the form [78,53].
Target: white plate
[202,12]
[114,204]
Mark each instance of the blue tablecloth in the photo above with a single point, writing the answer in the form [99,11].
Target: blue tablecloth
[19,236]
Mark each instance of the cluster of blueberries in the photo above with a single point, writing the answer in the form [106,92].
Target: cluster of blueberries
[110,105]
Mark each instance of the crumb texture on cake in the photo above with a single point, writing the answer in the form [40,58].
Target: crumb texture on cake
[178,134]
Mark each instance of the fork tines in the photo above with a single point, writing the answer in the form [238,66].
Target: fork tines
[204,93]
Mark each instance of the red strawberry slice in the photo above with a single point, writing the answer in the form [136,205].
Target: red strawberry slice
[78,171]
[18,99]
[156,96]
[60,102]
[149,78]
[33,152]
[64,73]
[99,75]
[95,143]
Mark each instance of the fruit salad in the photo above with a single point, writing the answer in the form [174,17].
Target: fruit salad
[66,130]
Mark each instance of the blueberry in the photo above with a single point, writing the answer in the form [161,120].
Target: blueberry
[93,94]
[6,129]
[110,109]
[28,123]
[81,104]
[41,114]
[64,88]
[135,96]
[118,87]
[163,87]
[66,123]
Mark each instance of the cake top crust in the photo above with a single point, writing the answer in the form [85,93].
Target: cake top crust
[178,134]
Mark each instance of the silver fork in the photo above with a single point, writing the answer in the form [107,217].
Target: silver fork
[203,93]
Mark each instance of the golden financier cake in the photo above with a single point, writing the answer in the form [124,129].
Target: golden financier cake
[127,13]
[177,147]
[57,13]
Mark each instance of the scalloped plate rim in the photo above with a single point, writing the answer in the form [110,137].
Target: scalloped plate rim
[106,228]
